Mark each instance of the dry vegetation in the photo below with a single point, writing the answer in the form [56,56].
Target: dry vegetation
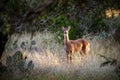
[50,61]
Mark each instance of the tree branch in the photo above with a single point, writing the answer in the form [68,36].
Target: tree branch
[33,13]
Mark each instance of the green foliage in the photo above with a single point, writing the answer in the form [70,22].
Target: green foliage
[63,20]
[11,45]
[24,45]
[2,68]
[48,77]
[16,62]
[89,17]
[15,46]
[117,35]
[16,65]
[17,56]
[33,42]
[84,16]
[30,66]
[99,25]
[56,23]
[117,70]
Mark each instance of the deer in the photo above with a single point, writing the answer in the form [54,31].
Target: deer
[72,46]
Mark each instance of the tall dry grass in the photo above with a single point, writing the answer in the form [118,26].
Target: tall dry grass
[49,57]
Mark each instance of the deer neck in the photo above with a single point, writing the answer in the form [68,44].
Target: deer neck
[66,39]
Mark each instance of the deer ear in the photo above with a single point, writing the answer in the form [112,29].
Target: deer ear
[63,28]
[69,27]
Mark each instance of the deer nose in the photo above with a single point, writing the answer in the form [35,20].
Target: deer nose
[65,32]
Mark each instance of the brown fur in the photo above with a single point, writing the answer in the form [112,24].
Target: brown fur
[71,46]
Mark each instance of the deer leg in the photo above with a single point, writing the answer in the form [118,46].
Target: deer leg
[69,57]
[82,53]
[86,49]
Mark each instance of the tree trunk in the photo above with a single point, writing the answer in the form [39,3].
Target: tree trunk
[3,41]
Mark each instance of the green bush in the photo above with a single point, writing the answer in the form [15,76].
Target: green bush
[16,62]
[2,68]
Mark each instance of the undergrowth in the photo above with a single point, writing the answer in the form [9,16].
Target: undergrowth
[49,58]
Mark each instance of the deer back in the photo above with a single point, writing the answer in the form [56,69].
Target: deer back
[74,45]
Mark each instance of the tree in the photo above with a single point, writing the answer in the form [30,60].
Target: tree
[16,13]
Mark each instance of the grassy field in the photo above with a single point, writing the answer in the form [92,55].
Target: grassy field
[50,62]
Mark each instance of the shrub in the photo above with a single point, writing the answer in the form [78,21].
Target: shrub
[16,64]
[112,62]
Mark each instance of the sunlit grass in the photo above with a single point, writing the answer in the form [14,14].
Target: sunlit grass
[50,61]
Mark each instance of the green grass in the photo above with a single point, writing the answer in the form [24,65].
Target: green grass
[50,59]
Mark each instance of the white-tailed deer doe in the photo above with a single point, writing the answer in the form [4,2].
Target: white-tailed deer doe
[71,46]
